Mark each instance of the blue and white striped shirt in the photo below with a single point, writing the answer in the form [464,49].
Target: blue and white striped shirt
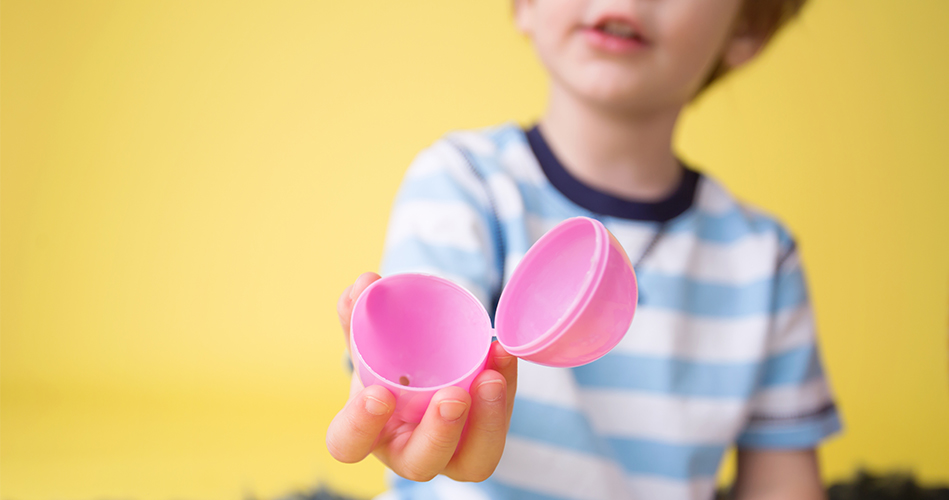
[721,352]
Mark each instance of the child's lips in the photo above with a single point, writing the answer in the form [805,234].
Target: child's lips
[607,42]
[616,32]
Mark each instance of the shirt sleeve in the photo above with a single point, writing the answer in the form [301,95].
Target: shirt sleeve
[442,223]
[793,407]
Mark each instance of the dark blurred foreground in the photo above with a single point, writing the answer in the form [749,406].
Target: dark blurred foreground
[867,486]
[864,486]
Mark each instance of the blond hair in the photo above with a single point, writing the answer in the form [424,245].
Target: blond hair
[761,18]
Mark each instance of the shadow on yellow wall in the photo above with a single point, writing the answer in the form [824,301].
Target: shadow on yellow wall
[186,187]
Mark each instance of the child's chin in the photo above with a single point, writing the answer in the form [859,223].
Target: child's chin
[619,95]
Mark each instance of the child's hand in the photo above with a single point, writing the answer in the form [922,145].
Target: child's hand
[441,443]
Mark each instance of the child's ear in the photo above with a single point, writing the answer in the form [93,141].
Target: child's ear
[743,46]
[524,16]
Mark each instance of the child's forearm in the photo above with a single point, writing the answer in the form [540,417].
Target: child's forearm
[778,475]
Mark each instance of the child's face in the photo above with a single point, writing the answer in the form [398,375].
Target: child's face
[635,55]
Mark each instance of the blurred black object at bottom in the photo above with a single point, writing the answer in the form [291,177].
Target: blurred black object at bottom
[864,486]
[867,486]
[321,493]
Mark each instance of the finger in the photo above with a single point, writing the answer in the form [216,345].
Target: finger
[483,441]
[344,309]
[355,385]
[506,364]
[432,444]
[363,281]
[344,306]
[353,432]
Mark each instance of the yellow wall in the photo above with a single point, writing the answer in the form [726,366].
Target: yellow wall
[186,187]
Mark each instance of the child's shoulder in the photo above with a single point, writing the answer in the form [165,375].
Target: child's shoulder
[499,153]
[721,217]
[474,167]
[488,141]
[484,142]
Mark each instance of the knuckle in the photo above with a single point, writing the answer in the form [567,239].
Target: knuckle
[339,451]
[492,424]
[470,473]
[479,476]
[441,443]
[412,472]
[360,430]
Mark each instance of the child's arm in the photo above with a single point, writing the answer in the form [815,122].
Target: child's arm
[437,445]
[793,409]
[441,224]
[777,475]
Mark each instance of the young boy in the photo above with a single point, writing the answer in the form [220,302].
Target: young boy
[722,350]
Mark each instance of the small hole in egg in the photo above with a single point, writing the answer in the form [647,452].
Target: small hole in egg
[404,380]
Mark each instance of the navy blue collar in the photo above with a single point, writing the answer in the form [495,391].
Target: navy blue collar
[602,203]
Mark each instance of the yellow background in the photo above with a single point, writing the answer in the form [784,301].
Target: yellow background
[187,186]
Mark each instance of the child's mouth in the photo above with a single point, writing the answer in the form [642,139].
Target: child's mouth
[619,29]
[617,36]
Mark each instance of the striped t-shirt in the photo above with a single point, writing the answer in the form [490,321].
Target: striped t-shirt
[721,352]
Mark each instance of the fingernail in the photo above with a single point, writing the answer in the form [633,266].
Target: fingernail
[503,361]
[491,390]
[451,409]
[376,406]
[352,292]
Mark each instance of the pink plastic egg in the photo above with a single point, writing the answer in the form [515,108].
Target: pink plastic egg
[570,300]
